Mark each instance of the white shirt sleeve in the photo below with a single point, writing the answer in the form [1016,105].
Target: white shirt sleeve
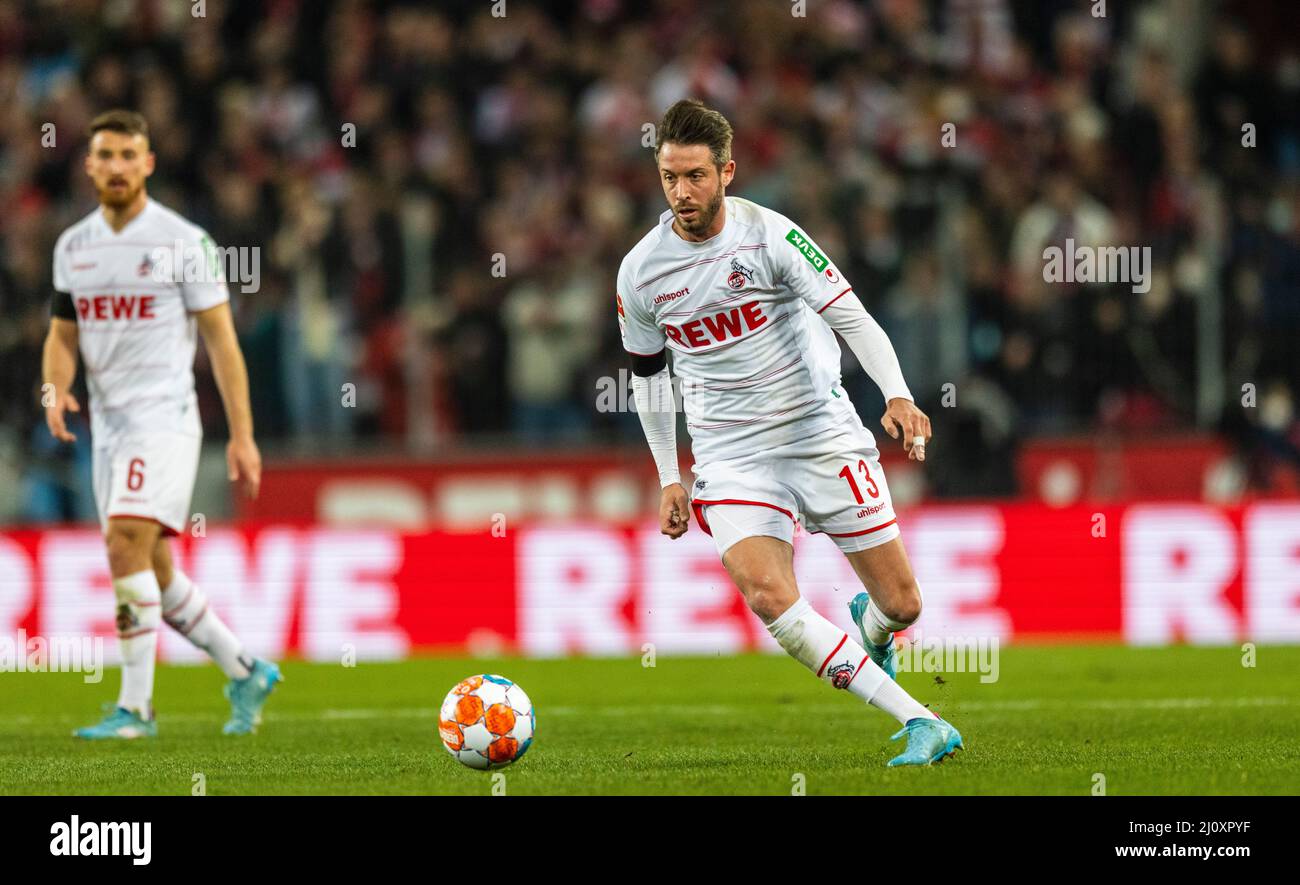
[641,336]
[202,286]
[61,281]
[803,266]
[869,344]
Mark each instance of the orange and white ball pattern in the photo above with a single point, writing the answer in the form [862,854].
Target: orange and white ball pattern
[486,721]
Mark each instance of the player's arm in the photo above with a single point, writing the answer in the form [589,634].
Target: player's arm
[652,391]
[871,346]
[59,369]
[243,461]
[802,265]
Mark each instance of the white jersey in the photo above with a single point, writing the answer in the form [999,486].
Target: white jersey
[759,368]
[133,303]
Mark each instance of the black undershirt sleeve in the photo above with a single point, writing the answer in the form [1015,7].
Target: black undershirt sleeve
[61,306]
[645,366]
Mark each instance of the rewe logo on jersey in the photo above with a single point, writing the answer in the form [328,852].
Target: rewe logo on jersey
[116,307]
[719,327]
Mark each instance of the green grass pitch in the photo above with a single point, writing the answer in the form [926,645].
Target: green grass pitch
[1176,720]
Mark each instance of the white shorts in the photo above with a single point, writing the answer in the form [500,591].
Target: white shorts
[149,477]
[834,482]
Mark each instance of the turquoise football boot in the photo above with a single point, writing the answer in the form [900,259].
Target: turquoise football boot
[247,696]
[884,656]
[928,741]
[119,724]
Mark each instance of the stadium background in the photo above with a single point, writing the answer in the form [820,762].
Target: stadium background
[440,198]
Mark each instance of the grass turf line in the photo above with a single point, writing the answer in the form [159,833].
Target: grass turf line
[1154,721]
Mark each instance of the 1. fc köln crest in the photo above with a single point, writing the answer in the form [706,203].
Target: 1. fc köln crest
[841,675]
[739,275]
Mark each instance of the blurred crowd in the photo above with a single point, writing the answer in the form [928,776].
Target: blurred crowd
[441,196]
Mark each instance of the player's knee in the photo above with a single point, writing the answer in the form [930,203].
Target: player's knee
[905,602]
[128,549]
[768,595]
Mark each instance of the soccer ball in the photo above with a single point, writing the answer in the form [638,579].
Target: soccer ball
[486,721]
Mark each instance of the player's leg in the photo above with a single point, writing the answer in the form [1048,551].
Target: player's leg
[163,567]
[129,541]
[139,612]
[842,492]
[187,611]
[892,601]
[757,553]
[886,572]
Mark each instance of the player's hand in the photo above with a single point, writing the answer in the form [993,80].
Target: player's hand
[244,465]
[674,511]
[63,402]
[902,416]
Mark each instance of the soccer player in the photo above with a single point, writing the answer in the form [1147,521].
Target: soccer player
[133,281]
[746,302]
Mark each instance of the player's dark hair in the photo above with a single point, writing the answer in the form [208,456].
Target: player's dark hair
[119,120]
[690,122]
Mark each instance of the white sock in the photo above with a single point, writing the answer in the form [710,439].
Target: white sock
[891,698]
[138,614]
[829,652]
[186,609]
[826,650]
[879,628]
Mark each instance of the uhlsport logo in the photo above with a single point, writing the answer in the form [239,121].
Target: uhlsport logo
[672,296]
[804,245]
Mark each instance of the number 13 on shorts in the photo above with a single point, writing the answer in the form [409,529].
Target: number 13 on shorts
[870,484]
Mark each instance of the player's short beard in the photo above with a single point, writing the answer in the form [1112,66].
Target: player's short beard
[704,218]
[108,198]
